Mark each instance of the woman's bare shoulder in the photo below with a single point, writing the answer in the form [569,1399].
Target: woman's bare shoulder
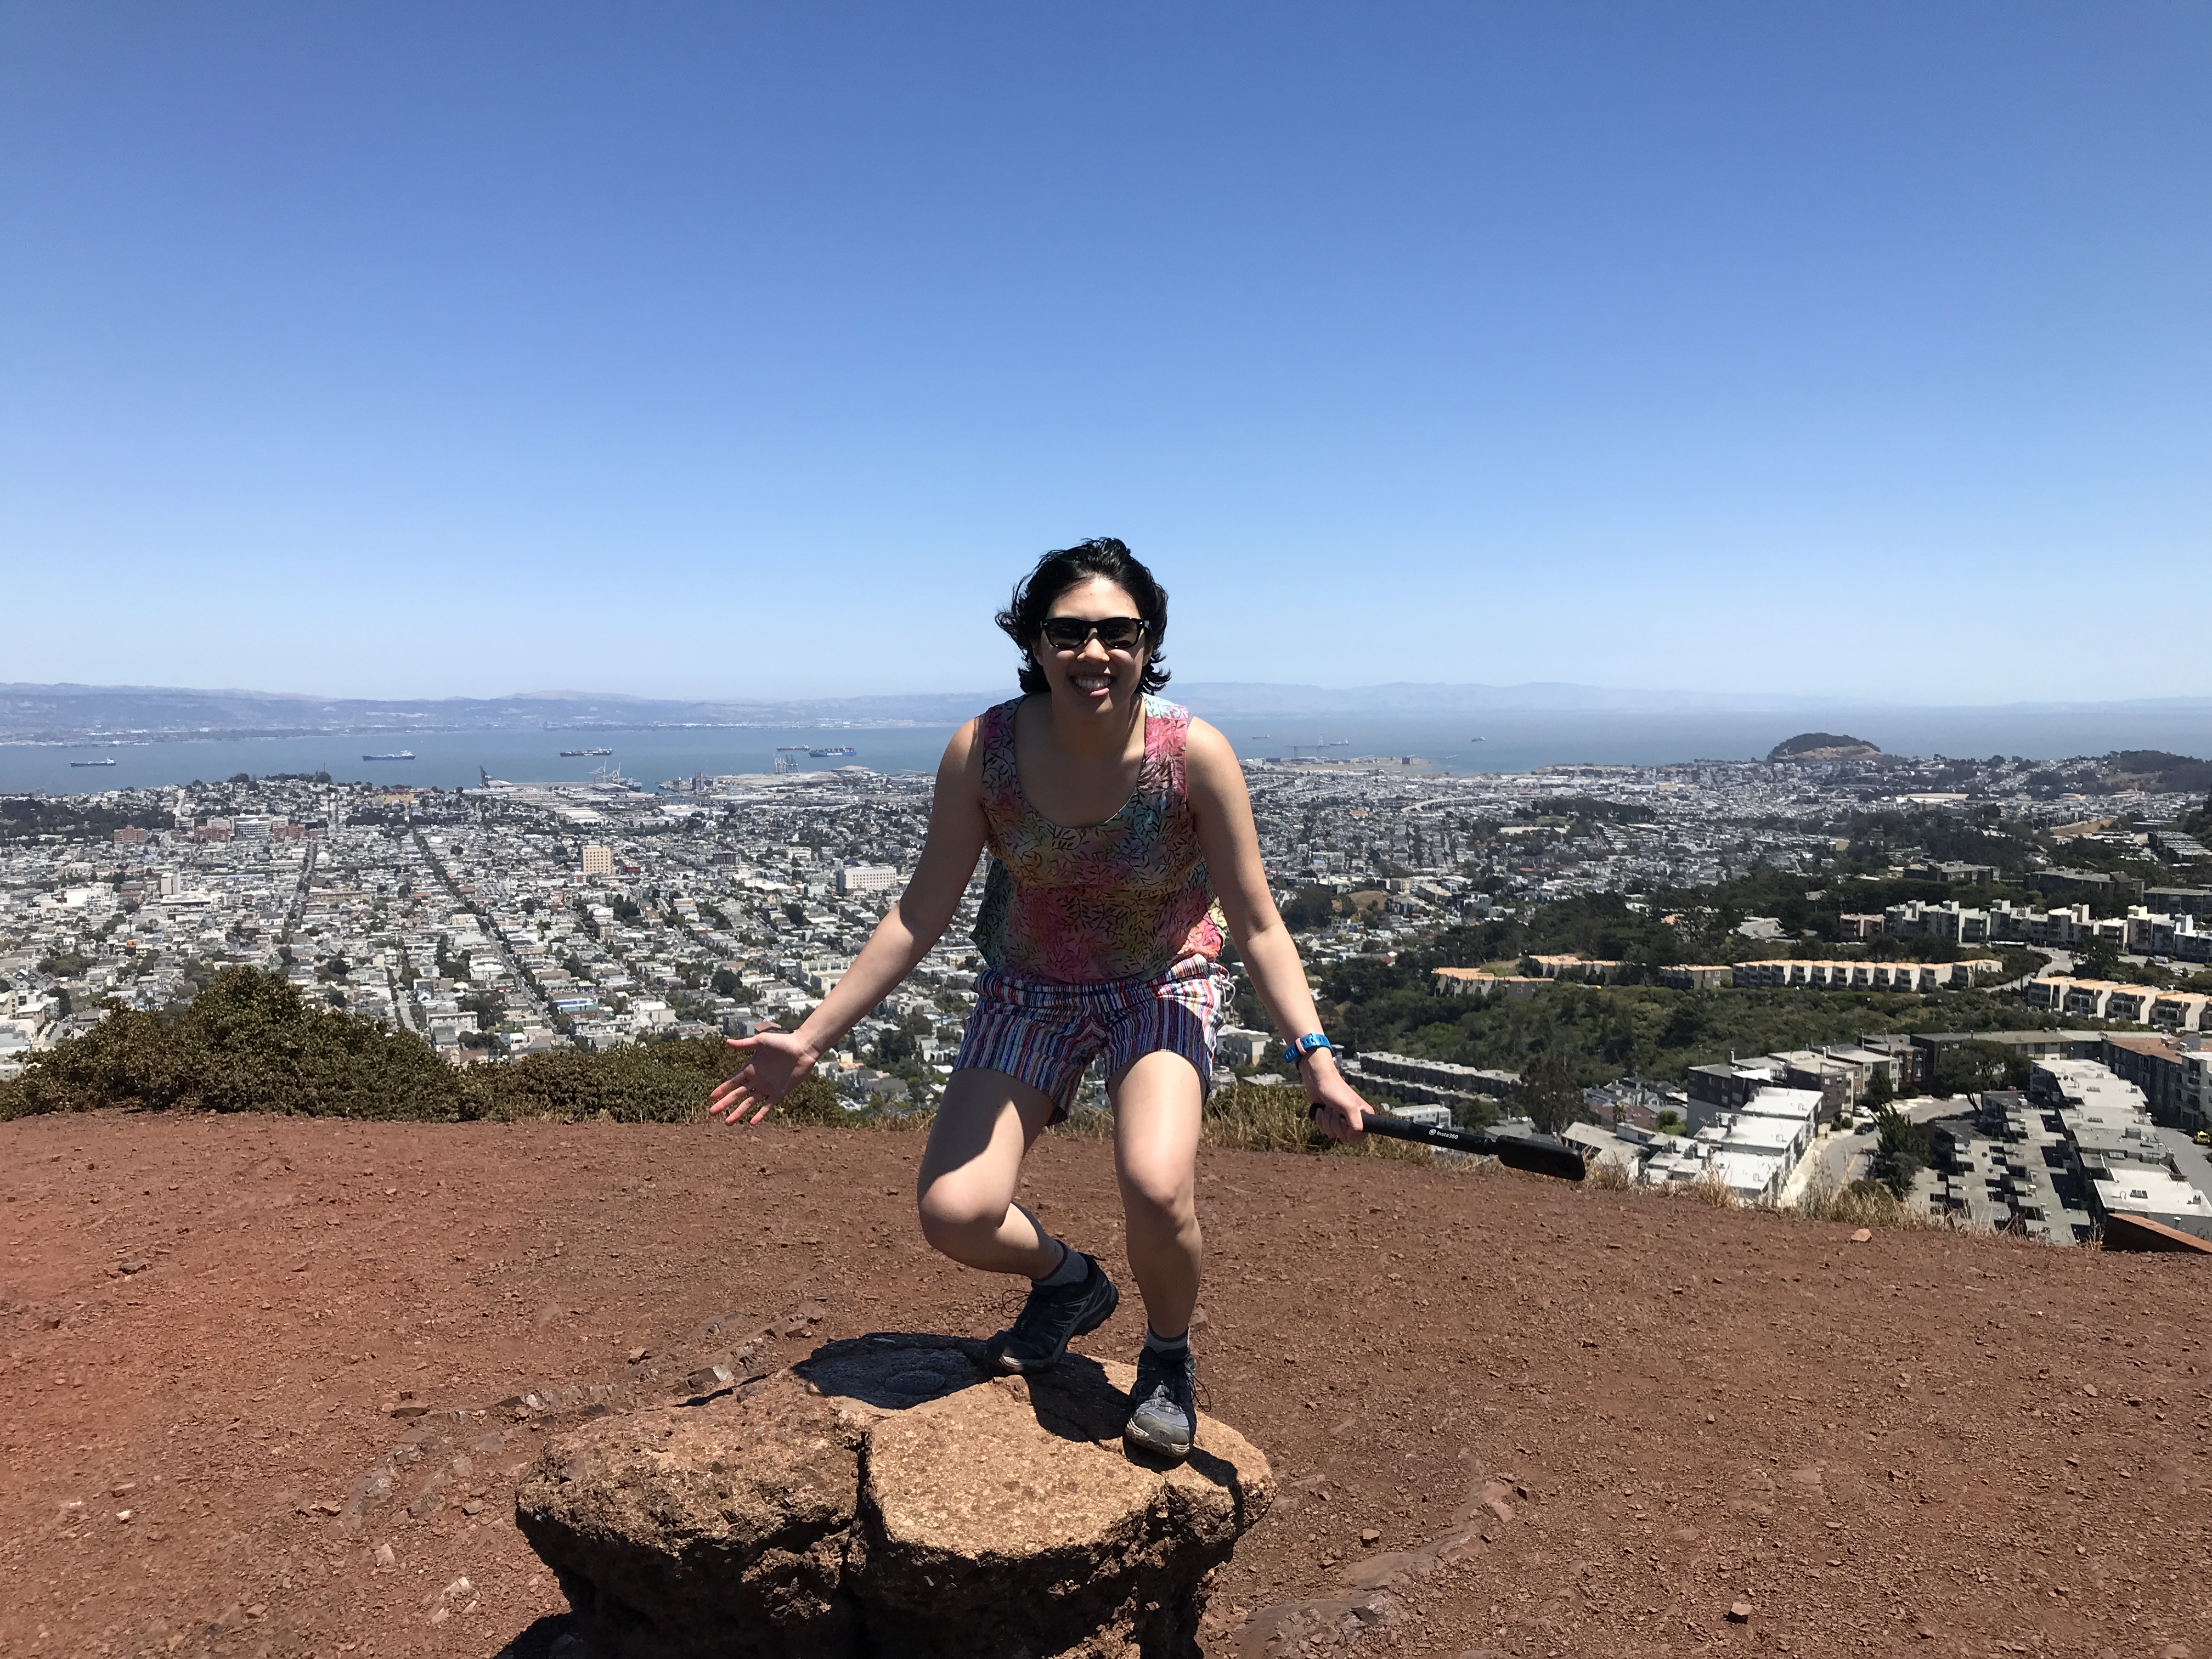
[1204,742]
[965,749]
[1209,759]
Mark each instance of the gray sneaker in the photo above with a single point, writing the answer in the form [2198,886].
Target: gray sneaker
[1166,1416]
[1054,1316]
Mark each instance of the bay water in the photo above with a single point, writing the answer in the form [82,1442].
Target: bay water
[1496,741]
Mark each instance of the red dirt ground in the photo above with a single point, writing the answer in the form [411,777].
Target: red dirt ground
[1926,1443]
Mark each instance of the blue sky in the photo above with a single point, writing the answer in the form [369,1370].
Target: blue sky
[704,349]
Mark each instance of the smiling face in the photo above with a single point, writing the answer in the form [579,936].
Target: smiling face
[1093,679]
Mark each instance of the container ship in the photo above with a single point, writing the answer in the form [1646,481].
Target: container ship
[403,754]
[824,754]
[97,763]
[576,754]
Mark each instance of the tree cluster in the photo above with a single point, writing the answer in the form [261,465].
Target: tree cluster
[1902,1149]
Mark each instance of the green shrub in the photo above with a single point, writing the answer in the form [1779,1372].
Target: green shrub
[813,1102]
[653,1083]
[249,1043]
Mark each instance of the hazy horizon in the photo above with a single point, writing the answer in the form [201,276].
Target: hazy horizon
[1416,698]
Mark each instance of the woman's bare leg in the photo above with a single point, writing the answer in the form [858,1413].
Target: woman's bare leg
[985,1124]
[1158,1107]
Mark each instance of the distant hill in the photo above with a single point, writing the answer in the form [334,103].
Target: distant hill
[60,713]
[2156,772]
[52,714]
[1823,746]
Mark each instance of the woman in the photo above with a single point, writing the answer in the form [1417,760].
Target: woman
[1114,820]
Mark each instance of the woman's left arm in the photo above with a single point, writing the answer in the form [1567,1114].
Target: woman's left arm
[1232,846]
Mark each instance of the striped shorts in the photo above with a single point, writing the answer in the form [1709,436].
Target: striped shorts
[1044,1032]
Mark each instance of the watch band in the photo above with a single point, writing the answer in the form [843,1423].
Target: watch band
[1305,1045]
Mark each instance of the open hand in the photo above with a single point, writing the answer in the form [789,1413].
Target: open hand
[777,1062]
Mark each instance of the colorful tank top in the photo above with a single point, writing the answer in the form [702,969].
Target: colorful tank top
[1125,899]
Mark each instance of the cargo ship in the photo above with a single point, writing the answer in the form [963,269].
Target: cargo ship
[577,753]
[824,754]
[97,763]
[403,754]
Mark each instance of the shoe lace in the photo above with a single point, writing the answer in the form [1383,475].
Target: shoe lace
[1045,1307]
[1165,1377]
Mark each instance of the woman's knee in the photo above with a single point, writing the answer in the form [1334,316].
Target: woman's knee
[1159,1195]
[953,1211]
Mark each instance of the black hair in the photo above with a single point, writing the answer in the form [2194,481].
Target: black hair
[1023,620]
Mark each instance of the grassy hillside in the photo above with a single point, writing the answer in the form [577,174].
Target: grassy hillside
[1602,1033]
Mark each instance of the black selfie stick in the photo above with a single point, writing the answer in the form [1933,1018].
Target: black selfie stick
[1545,1155]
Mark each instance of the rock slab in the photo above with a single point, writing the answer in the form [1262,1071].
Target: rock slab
[887,1496]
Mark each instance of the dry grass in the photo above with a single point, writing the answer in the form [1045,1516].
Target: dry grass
[1708,1190]
[1868,1204]
[923,1119]
[1862,1204]
[1608,1176]
[1257,1118]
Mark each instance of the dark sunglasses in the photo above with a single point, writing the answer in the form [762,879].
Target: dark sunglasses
[1074,633]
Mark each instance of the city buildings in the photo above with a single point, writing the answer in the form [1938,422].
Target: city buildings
[517,917]
[2078,1146]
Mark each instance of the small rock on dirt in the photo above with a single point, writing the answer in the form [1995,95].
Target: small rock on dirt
[1740,1613]
[1863,1235]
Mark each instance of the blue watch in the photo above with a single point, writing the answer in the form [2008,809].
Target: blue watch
[1296,1053]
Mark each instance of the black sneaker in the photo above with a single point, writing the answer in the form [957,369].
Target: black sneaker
[1054,1316]
[1166,1416]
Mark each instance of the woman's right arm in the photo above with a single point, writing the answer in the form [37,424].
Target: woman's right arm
[776,1062]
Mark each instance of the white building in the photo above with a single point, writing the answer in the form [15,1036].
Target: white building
[1238,1047]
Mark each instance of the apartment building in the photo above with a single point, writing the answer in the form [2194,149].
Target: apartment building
[1790,974]
[1430,1082]
[2160,1066]
[1574,966]
[1481,986]
[2135,1004]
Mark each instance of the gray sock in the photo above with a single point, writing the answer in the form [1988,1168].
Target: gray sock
[1070,1270]
[1156,1343]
